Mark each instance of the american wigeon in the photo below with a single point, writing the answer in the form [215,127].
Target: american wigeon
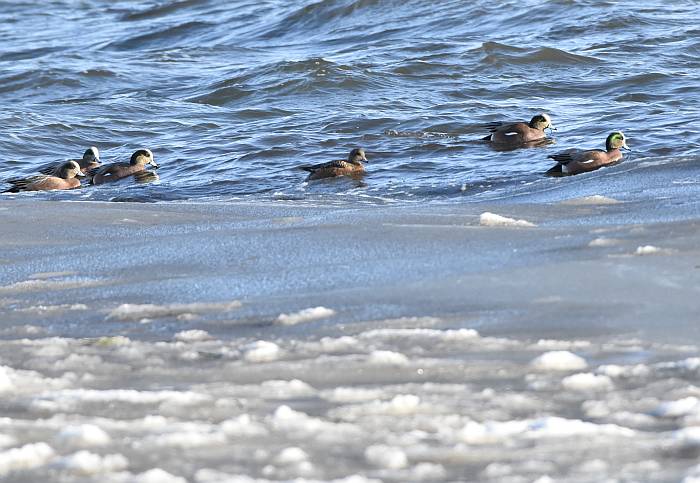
[117,171]
[89,161]
[352,167]
[574,162]
[519,134]
[66,180]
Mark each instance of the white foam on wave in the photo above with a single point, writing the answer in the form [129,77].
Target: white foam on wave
[261,351]
[193,438]
[399,405]
[590,200]
[130,312]
[647,250]
[680,407]
[546,427]
[83,435]
[559,361]
[70,399]
[26,457]
[20,381]
[155,475]
[616,371]
[297,424]
[306,315]
[351,394]
[691,364]
[587,381]
[207,475]
[193,335]
[387,358]
[243,426]
[85,463]
[386,457]
[443,335]
[604,242]
[492,219]
[49,285]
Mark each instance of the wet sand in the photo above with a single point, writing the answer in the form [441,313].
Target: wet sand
[395,343]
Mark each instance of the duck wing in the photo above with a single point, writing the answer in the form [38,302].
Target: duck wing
[329,165]
[21,184]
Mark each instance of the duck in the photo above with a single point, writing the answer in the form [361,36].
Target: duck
[575,162]
[67,179]
[351,167]
[116,171]
[519,134]
[89,161]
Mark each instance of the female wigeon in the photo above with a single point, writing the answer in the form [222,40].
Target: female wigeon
[352,167]
[66,180]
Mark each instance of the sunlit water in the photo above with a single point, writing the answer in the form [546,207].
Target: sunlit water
[233,96]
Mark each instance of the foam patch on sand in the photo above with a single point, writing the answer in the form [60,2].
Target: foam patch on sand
[492,219]
[559,361]
[306,315]
[129,312]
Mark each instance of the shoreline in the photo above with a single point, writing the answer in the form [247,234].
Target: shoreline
[159,340]
[416,260]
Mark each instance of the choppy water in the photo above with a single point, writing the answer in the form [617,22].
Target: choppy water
[231,96]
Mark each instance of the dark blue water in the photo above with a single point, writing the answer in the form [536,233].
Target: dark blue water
[232,96]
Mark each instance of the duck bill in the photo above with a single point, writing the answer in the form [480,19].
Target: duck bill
[364,158]
[626,148]
[154,164]
[79,174]
[552,128]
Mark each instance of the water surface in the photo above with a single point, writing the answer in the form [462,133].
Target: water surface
[232,96]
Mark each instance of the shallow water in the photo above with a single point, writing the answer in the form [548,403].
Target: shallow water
[231,97]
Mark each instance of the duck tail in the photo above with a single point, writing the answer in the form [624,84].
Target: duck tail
[555,171]
[486,138]
[15,188]
[310,169]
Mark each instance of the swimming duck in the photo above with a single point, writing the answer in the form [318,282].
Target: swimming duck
[89,161]
[519,133]
[352,167]
[65,180]
[117,171]
[574,162]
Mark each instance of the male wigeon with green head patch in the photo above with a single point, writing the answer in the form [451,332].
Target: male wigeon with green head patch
[575,161]
[89,161]
[116,171]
